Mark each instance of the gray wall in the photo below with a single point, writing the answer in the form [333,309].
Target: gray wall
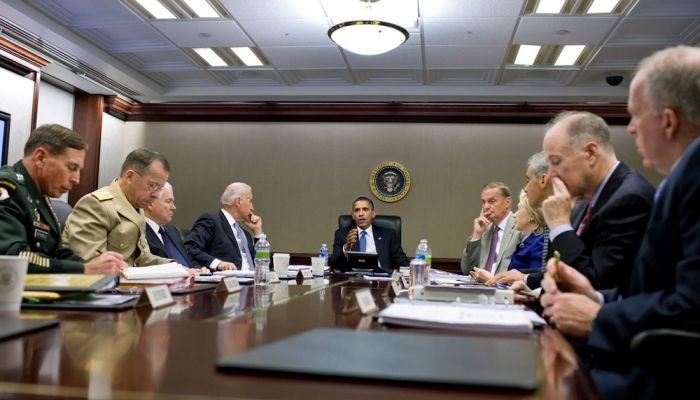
[305,174]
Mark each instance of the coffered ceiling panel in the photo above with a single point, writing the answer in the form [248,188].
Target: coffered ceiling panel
[457,50]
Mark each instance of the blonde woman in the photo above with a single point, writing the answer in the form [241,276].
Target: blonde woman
[528,256]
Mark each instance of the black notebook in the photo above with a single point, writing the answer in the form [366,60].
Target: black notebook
[503,362]
[10,327]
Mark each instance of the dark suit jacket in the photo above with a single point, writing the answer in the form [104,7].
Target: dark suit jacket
[605,251]
[158,248]
[663,290]
[389,251]
[212,237]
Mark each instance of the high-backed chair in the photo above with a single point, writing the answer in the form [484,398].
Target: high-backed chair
[62,210]
[392,222]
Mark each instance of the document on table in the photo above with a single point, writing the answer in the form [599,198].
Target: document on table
[476,317]
[161,271]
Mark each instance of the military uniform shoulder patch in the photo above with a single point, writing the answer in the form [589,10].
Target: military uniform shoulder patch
[4,194]
[102,196]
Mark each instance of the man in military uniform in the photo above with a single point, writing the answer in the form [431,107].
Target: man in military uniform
[53,158]
[112,218]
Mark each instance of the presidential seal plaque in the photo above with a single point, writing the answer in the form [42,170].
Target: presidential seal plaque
[390,181]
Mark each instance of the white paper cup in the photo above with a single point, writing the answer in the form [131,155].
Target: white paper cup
[281,263]
[13,271]
[317,264]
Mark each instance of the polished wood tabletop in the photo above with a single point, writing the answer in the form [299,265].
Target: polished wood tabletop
[172,352]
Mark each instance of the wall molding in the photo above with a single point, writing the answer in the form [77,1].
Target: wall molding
[614,114]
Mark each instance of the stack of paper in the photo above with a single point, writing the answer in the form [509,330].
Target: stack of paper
[456,316]
[161,271]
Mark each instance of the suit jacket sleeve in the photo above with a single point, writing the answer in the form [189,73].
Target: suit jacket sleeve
[398,256]
[338,259]
[198,240]
[617,236]
[87,228]
[470,255]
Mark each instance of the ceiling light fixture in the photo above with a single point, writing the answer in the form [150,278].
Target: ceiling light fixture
[368,37]
[202,8]
[247,56]
[602,6]
[527,54]
[569,55]
[156,9]
[210,57]
[549,6]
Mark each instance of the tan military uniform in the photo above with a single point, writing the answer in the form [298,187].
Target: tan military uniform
[104,220]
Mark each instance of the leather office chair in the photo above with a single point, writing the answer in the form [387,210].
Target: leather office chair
[62,210]
[392,222]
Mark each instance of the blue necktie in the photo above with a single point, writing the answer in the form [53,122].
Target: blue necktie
[172,250]
[245,251]
[363,241]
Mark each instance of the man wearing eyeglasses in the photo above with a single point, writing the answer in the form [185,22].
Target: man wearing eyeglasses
[112,218]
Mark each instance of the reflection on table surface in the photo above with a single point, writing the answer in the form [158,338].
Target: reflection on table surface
[172,351]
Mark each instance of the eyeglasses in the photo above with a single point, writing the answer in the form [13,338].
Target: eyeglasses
[152,186]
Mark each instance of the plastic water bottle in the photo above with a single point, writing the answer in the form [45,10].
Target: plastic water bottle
[262,261]
[423,252]
[323,253]
[418,273]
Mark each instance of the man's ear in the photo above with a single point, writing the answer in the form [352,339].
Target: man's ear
[670,122]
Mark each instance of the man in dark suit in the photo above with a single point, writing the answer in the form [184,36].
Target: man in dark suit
[613,201]
[165,240]
[663,290]
[374,239]
[218,240]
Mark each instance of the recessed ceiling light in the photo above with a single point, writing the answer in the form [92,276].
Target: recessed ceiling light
[549,6]
[569,55]
[527,54]
[202,8]
[247,56]
[156,9]
[602,6]
[211,57]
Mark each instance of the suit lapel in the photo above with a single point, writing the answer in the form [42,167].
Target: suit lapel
[152,237]
[380,242]
[228,229]
[508,234]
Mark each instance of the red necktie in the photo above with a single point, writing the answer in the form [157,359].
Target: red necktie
[584,221]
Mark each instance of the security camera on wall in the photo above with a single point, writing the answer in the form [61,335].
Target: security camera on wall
[614,79]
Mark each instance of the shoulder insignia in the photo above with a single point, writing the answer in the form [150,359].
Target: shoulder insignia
[4,194]
[20,178]
[9,185]
[102,196]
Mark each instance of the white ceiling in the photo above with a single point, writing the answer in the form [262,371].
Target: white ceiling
[457,53]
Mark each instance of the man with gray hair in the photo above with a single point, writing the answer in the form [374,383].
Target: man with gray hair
[112,218]
[218,240]
[600,235]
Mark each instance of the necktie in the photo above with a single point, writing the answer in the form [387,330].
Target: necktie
[245,251]
[659,190]
[172,250]
[584,221]
[492,250]
[363,241]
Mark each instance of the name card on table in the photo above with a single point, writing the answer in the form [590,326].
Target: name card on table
[156,296]
[306,274]
[229,285]
[272,277]
[360,299]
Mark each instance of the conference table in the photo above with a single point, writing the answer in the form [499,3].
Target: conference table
[172,352]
